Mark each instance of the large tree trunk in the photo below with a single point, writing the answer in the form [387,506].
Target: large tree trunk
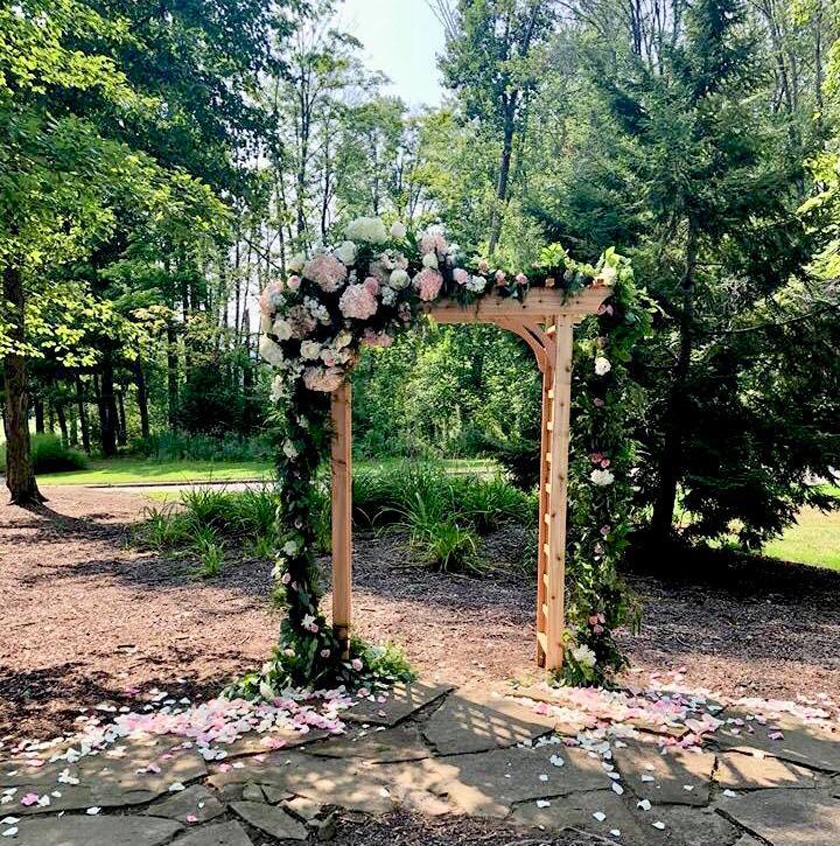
[83,421]
[670,463]
[20,474]
[142,399]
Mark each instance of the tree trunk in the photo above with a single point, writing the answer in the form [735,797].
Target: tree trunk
[172,376]
[122,428]
[108,410]
[20,473]
[62,423]
[38,408]
[142,400]
[83,421]
[670,463]
[504,175]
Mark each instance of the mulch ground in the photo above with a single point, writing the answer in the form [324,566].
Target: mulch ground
[86,618]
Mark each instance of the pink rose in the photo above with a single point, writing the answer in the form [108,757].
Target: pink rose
[293,282]
[483,266]
[598,402]
[286,578]
[460,275]
[271,298]
[521,279]
[428,282]
[357,665]
[500,278]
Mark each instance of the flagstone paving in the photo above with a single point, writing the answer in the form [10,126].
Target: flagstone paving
[643,768]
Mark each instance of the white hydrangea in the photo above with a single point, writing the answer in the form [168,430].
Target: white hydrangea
[389,296]
[602,366]
[584,655]
[369,229]
[601,478]
[476,284]
[310,350]
[346,253]
[398,230]
[343,339]
[318,310]
[430,260]
[399,279]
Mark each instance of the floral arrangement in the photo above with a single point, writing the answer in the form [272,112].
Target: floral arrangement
[363,292]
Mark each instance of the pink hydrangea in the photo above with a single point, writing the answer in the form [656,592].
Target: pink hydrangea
[301,321]
[434,243]
[323,379]
[358,302]
[460,276]
[377,339]
[326,271]
[271,298]
[428,282]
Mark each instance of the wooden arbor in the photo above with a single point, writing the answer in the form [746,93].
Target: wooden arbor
[546,322]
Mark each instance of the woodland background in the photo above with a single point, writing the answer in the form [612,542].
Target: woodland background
[160,162]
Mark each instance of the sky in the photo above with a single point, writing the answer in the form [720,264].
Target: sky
[402,39]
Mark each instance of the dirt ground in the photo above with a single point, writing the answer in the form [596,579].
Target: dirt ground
[86,618]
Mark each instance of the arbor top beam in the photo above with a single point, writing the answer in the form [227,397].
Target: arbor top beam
[541,305]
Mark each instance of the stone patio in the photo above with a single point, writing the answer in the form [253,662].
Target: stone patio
[632,768]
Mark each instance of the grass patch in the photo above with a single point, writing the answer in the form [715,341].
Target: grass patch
[127,471]
[814,539]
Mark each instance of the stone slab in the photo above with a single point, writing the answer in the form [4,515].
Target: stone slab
[196,801]
[576,811]
[272,820]
[787,817]
[488,784]
[401,702]
[809,745]
[750,772]
[328,781]
[219,834]
[689,826]
[255,743]
[680,777]
[478,720]
[96,831]
[401,743]
[116,781]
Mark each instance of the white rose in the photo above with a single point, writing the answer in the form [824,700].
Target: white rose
[289,450]
[602,366]
[346,253]
[343,339]
[398,230]
[476,284]
[584,655]
[399,279]
[282,329]
[601,478]
[430,260]
[271,352]
[310,350]
[370,229]
[297,262]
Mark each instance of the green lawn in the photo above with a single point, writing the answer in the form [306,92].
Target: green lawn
[125,471]
[815,539]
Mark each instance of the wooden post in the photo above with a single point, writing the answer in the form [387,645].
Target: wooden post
[542,528]
[560,401]
[342,506]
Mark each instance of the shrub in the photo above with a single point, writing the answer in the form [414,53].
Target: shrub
[175,446]
[50,455]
